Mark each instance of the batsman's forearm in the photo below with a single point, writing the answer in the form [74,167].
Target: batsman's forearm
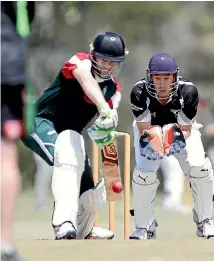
[92,90]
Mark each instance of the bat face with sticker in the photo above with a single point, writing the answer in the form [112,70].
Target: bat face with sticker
[111,170]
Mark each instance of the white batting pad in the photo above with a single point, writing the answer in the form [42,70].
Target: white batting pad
[69,159]
[201,178]
[89,203]
[144,192]
[70,150]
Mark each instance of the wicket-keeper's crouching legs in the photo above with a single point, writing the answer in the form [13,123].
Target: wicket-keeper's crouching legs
[200,174]
[144,185]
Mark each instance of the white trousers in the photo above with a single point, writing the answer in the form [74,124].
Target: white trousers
[173,182]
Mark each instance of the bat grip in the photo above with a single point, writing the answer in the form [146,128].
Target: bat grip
[119,133]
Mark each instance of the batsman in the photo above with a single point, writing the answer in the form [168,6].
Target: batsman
[164,106]
[84,87]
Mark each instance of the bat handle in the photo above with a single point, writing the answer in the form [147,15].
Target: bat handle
[119,133]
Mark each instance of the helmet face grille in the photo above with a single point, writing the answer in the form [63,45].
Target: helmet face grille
[104,71]
[151,89]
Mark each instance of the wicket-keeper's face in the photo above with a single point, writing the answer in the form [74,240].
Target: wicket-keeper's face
[163,84]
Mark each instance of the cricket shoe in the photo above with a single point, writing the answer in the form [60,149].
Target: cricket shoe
[65,231]
[99,233]
[144,234]
[9,253]
[205,228]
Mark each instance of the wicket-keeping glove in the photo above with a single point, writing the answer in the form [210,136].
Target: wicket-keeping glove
[151,145]
[173,139]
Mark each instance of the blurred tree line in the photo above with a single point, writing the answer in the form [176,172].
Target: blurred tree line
[183,29]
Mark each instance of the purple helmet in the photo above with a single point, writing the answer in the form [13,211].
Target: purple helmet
[162,63]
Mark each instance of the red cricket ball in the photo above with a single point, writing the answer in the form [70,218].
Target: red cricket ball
[117,187]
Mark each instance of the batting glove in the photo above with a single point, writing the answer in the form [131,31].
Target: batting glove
[108,119]
[100,139]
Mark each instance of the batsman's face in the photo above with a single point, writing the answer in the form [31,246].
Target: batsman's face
[163,84]
[107,67]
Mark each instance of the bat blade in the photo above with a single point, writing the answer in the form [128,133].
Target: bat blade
[111,170]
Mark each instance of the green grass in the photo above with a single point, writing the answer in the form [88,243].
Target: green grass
[176,238]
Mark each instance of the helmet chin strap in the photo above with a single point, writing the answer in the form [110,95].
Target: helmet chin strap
[99,79]
[162,99]
[169,96]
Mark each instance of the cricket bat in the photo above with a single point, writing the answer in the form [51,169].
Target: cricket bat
[111,170]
